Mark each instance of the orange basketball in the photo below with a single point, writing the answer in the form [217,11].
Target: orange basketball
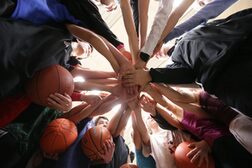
[182,161]
[129,165]
[93,140]
[127,55]
[58,136]
[47,81]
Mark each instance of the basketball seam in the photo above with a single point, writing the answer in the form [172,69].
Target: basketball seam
[66,143]
[59,78]
[70,130]
[93,141]
[101,137]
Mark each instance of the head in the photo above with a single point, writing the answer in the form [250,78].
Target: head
[102,121]
[81,49]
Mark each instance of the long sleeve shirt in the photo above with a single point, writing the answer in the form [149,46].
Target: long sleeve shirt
[211,10]
[160,20]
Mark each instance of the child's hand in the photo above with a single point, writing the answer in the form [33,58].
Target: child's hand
[148,104]
[108,148]
[60,102]
[91,99]
[199,153]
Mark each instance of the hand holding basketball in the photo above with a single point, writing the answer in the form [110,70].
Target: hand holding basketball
[109,148]
[97,144]
[60,102]
[50,80]
[199,153]
[183,161]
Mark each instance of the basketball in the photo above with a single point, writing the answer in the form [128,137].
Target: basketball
[47,81]
[182,161]
[58,136]
[93,140]
[129,165]
[127,55]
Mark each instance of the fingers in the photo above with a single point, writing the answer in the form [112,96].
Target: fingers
[206,161]
[191,145]
[60,102]
[196,157]
[111,7]
[106,146]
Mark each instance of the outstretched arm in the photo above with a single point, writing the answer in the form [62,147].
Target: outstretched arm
[91,74]
[170,112]
[164,9]
[85,110]
[177,95]
[169,116]
[119,121]
[130,27]
[209,11]
[143,6]
[174,17]
[95,41]
[137,140]
[140,125]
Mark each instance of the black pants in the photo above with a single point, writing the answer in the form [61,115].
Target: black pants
[228,153]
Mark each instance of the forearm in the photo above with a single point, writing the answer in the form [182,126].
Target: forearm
[80,86]
[155,94]
[141,126]
[169,75]
[130,27]
[177,96]
[143,8]
[174,17]
[110,82]
[169,116]
[211,10]
[107,105]
[114,121]
[160,20]
[81,112]
[123,121]
[117,54]
[95,41]
[91,74]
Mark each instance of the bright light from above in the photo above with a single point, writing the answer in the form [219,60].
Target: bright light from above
[79,79]
[176,3]
[95,92]
[116,108]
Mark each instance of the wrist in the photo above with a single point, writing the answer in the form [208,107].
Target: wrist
[147,76]
[144,57]
[154,113]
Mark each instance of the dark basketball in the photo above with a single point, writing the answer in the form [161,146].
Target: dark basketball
[93,140]
[47,81]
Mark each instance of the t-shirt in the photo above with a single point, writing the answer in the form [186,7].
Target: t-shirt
[204,128]
[160,149]
[42,11]
[144,162]
[26,49]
